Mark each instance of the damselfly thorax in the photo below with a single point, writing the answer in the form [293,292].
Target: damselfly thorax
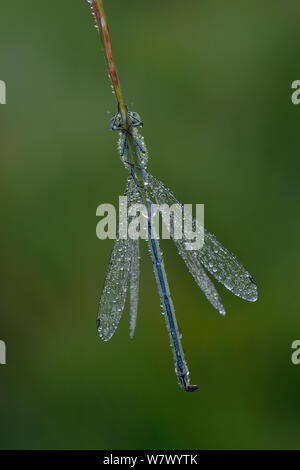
[116,124]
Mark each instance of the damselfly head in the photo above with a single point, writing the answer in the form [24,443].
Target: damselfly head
[116,123]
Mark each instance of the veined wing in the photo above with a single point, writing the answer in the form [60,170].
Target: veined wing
[134,284]
[114,292]
[134,198]
[162,195]
[222,264]
[198,272]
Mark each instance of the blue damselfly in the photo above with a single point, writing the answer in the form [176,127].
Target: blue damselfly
[124,264]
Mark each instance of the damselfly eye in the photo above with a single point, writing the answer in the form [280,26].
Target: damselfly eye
[116,122]
[135,118]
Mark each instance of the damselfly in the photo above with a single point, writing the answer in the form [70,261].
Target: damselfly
[124,264]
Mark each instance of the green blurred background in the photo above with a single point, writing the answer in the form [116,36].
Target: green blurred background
[212,81]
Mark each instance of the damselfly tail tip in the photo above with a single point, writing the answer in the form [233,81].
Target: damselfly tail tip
[185,385]
[191,388]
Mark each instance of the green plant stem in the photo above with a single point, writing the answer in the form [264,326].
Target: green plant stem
[98,9]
